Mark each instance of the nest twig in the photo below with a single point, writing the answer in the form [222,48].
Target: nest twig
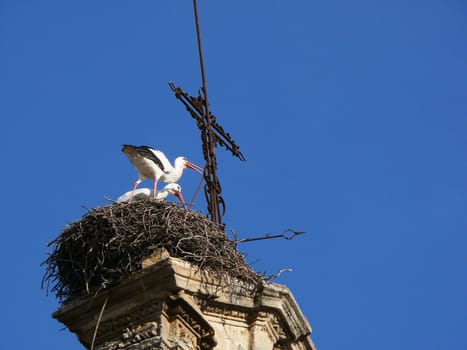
[110,242]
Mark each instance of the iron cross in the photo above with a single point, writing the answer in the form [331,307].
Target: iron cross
[212,134]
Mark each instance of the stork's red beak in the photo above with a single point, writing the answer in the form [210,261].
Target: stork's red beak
[194,167]
[180,196]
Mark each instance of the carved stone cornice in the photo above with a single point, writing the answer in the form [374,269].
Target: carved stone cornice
[169,305]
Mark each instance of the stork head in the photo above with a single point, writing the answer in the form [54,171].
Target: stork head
[187,164]
[176,190]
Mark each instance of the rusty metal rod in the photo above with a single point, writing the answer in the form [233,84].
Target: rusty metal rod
[201,58]
[211,173]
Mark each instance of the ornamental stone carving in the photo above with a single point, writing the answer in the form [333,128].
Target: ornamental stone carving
[169,306]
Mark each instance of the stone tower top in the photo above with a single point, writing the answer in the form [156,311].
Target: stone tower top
[155,276]
[170,305]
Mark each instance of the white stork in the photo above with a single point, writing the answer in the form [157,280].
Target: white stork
[142,194]
[153,164]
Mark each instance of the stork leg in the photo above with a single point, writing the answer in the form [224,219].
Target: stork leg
[154,189]
[137,182]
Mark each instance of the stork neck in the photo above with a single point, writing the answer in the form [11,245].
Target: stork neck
[176,172]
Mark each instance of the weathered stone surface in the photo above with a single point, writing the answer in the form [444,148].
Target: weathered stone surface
[170,305]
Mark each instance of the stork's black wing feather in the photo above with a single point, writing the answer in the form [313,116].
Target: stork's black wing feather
[144,151]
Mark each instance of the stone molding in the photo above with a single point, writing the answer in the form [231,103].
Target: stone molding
[170,306]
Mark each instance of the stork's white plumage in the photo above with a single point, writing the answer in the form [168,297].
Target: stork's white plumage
[142,194]
[153,164]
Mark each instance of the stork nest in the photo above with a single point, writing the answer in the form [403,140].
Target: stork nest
[109,243]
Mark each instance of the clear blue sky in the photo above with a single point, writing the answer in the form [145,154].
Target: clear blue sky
[352,116]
